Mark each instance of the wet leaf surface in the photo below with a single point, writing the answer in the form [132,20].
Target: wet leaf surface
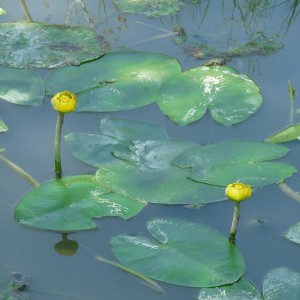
[71,203]
[181,253]
[230,97]
[38,45]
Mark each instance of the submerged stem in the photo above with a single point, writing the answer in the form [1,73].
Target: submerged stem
[59,123]
[235,221]
[19,170]
[142,277]
[289,191]
[25,11]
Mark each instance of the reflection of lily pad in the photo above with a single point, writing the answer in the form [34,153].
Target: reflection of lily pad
[70,204]
[37,45]
[117,81]
[181,253]
[150,8]
[24,87]
[230,97]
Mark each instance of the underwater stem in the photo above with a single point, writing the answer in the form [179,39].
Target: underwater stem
[289,191]
[235,221]
[25,11]
[19,170]
[59,123]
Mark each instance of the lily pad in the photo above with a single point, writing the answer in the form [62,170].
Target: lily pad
[153,154]
[151,8]
[118,81]
[24,87]
[165,186]
[181,253]
[230,97]
[287,134]
[70,204]
[3,127]
[117,133]
[240,290]
[38,45]
[281,283]
[293,233]
[230,161]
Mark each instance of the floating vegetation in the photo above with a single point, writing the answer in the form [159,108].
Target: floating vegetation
[38,45]
[150,8]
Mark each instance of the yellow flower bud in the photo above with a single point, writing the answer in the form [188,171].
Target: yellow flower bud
[64,102]
[238,191]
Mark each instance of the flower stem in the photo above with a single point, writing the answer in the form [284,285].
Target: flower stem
[25,11]
[289,191]
[235,221]
[19,170]
[59,123]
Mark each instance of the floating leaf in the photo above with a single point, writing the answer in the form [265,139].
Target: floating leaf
[117,81]
[128,129]
[287,134]
[70,204]
[229,161]
[165,186]
[3,127]
[150,8]
[97,149]
[24,87]
[293,233]
[154,154]
[181,253]
[253,173]
[240,290]
[281,283]
[230,97]
[38,45]
[93,149]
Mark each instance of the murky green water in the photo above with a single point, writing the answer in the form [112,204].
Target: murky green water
[29,143]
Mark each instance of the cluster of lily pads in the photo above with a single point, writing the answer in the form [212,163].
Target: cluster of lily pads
[137,163]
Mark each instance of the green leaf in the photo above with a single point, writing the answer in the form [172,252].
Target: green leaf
[117,81]
[3,126]
[2,11]
[38,45]
[281,283]
[231,97]
[167,186]
[93,149]
[255,174]
[230,161]
[181,253]
[154,154]
[240,290]
[287,134]
[24,87]
[97,149]
[150,8]
[70,204]
[293,233]
[128,129]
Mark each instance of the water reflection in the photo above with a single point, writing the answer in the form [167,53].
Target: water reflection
[66,247]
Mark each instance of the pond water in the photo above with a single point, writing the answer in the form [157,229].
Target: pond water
[29,144]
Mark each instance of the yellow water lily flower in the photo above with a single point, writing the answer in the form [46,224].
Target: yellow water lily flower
[238,191]
[64,102]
